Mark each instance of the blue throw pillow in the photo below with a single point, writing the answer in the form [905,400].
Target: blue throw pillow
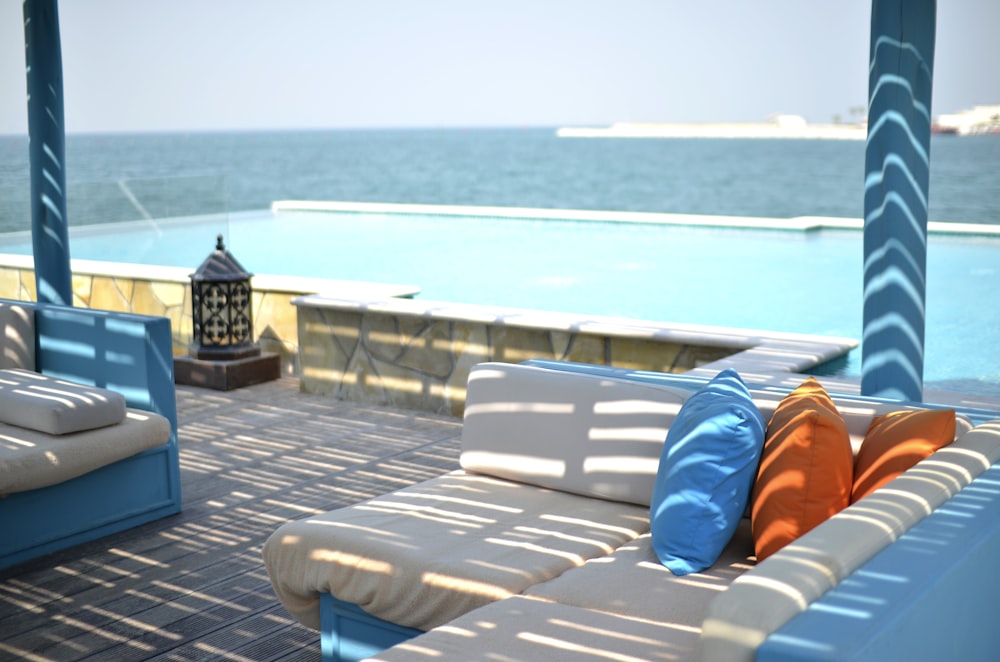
[706,471]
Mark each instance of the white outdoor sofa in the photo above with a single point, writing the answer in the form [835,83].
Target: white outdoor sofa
[539,546]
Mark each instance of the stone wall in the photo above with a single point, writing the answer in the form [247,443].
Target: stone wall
[417,354]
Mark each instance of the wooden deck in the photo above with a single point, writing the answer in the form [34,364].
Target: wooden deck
[193,586]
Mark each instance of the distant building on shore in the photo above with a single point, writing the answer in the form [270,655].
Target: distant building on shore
[977,120]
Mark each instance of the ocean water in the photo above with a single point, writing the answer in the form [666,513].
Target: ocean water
[181,174]
[634,271]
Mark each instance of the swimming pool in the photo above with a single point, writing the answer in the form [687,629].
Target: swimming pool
[805,281]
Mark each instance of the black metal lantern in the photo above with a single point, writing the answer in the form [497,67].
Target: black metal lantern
[221,308]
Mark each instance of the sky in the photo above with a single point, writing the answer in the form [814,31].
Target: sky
[207,65]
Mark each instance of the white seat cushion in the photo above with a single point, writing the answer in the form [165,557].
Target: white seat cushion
[424,555]
[30,459]
[632,582]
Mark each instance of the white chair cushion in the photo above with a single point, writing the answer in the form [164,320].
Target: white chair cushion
[30,459]
[17,341]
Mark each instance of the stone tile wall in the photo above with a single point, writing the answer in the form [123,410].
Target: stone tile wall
[417,355]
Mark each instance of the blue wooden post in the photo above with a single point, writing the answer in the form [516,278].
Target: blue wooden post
[46,137]
[897,171]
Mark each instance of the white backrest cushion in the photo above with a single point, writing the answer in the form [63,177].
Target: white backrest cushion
[578,433]
[858,413]
[56,406]
[17,344]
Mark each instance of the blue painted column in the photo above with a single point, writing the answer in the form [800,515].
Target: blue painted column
[46,137]
[897,173]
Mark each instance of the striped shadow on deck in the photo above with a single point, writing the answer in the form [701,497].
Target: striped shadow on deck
[193,586]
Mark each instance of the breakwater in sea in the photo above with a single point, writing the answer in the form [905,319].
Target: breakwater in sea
[729,130]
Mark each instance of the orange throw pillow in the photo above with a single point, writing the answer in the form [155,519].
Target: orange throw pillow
[806,469]
[895,442]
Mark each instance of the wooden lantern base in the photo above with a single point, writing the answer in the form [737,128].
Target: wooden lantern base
[227,375]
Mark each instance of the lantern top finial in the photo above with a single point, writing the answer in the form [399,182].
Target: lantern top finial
[219,246]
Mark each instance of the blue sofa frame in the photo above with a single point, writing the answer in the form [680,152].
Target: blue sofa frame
[128,353]
[349,634]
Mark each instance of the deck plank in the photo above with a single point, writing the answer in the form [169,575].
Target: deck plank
[193,586]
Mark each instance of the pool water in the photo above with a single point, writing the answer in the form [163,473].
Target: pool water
[777,280]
